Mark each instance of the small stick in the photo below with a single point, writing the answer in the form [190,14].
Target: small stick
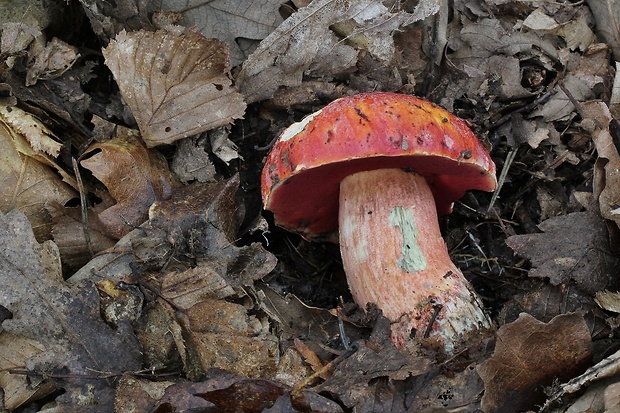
[329,366]
[83,207]
[502,176]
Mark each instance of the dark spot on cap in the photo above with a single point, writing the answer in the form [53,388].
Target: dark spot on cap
[361,114]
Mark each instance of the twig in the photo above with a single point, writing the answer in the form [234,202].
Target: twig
[329,366]
[83,207]
[502,176]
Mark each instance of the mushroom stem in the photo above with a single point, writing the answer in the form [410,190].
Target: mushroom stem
[394,256]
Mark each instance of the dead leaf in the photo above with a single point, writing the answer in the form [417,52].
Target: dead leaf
[176,85]
[65,321]
[245,395]
[50,60]
[607,15]
[222,147]
[191,161]
[572,248]
[15,352]
[608,300]
[450,391]
[240,25]
[307,42]
[607,167]
[374,377]
[591,71]
[224,335]
[529,355]
[135,395]
[21,22]
[68,235]
[28,181]
[135,177]
[614,101]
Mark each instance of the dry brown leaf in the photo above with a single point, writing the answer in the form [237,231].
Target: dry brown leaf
[176,85]
[28,182]
[607,15]
[310,357]
[21,22]
[68,235]
[572,248]
[614,101]
[307,43]
[529,355]
[136,395]
[607,167]
[224,335]
[15,351]
[135,177]
[50,60]
[374,377]
[590,73]
[194,285]
[240,24]
[191,161]
[608,300]
[64,320]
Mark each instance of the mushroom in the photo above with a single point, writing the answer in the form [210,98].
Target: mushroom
[372,171]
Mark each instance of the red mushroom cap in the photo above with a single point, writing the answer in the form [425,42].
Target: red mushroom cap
[302,174]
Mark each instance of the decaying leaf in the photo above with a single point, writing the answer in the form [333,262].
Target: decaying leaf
[308,41]
[573,247]
[50,60]
[529,355]
[65,321]
[373,378]
[607,15]
[22,22]
[28,181]
[176,85]
[614,100]
[135,177]
[224,336]
[608,300]
[191,161]
[68,234]
[136,395]
[15,352]
[590,72]
[240,24]
[607,167]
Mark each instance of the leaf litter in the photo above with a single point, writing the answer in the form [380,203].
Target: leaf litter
[202,304]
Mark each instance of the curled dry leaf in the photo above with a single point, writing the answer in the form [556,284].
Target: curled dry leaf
[529,355]
[50,60]
[28,183]
[607,167]
[607,16]
[176,85]
[135,177]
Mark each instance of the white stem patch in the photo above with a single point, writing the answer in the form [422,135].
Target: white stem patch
[412,259]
